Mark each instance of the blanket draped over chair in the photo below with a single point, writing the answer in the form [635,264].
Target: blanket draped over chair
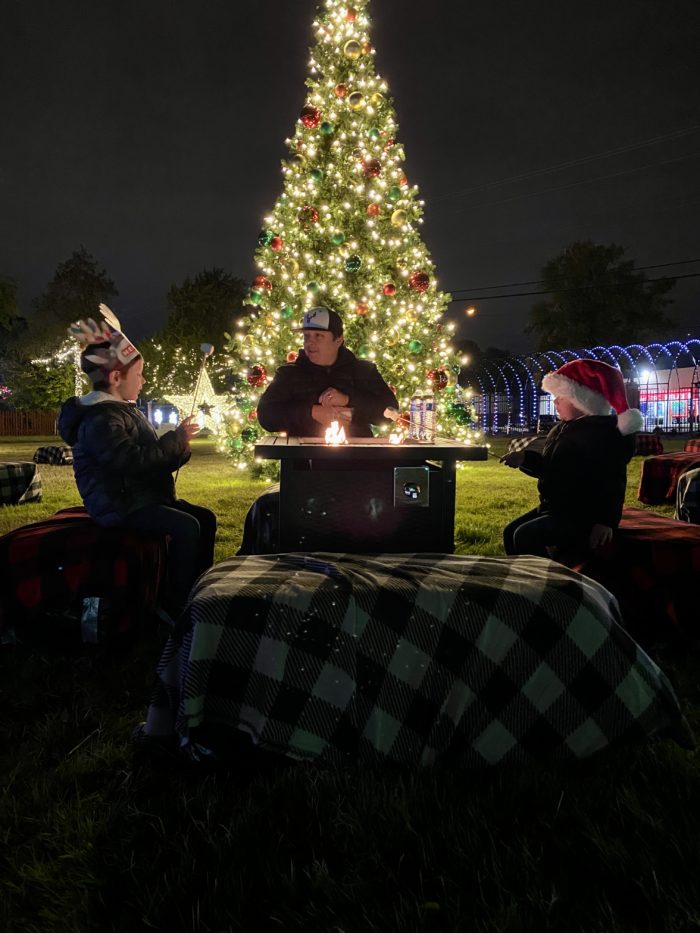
[410,658]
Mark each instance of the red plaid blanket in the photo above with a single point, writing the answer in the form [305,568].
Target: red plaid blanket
[660,474]
[646,444]
[54,566]
[652,568]
[692,445]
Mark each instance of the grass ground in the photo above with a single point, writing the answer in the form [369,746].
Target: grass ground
[92,841]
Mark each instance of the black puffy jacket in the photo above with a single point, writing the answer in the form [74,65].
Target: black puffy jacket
[287,402]
[120,463]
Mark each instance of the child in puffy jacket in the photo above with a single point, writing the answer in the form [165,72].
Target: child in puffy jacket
[123,470]
[582,469]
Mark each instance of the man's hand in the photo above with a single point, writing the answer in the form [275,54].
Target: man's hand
[332,398]
[187,428]
[514,459]
[600,536]
[325,415]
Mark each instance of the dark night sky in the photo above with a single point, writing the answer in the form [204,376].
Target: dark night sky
[151,132]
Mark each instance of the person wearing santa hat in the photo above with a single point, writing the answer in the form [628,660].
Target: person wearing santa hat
[582,469]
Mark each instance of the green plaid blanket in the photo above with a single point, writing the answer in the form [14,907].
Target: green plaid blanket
[412,658]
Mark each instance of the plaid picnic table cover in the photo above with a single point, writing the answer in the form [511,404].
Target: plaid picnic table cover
[692,445]
[410,658]
[659,476]
[19,483]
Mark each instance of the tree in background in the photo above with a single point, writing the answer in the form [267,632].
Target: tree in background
[203,309]
[345,232]
[41,359]
[598,298]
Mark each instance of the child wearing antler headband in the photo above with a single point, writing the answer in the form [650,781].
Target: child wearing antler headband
[123,470]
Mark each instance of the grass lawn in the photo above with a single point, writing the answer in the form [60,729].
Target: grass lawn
[91,841]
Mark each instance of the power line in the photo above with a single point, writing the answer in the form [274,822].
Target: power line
[486,288]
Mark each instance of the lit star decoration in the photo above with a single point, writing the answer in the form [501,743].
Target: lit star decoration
[207,407]
[345,231]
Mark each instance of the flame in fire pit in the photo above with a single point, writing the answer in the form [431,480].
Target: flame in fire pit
[335,435]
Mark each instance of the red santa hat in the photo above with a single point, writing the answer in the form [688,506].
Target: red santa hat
[595,388]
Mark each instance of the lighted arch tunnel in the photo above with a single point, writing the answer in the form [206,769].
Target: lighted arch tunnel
[662,379]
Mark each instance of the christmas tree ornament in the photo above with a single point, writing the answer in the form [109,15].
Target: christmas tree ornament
[293,266]
[371,168]
[338,238]
[313,287]
[361,309]
[394,193]
[299,160]
[308,215]
[276,243]
[439,378]
[373,133]
[244,404]
[356,100]
[252,415]
[352,50]
[399,218]
[257,376]
[327,128]
[415,346]
[261,282]
[255,297]
[286,312]
[389,143]
[316,174]
[264,237]
[389,289]
[363,351]
[373,210]
[403,181]
[377,99]
[236,443]
[310,117]
[419,281]
[353,264]
[340,90]
[249,434]
[292,356]
[366,48]
[350,14]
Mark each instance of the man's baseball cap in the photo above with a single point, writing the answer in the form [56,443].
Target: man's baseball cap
[321,318]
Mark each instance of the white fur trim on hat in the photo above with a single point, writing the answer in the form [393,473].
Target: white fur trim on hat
[593,403]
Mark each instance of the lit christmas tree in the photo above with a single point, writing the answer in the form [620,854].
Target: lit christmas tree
[344,232]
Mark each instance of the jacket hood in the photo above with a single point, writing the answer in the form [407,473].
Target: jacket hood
[74,410]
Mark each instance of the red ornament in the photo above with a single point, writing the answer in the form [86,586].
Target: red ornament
[371,168]
[419,281]
[389,289]
[350,15]
[340,90]
[389,143]
[308,215]
[439,378]
[276,243]
[373,210]
[291,356]
[403,180]
[252,415]
[366,48]
[310,117]
[257,376]
[261,282]
[361,309]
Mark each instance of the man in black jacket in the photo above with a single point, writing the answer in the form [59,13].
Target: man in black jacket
[326,383]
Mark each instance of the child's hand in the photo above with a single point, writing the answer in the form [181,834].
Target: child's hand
[514,459]
[188,427]
[600,536]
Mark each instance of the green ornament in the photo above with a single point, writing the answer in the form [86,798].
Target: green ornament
[327,128]
[352,264]
[264,237]
[255,298]
[373,133]
[394,193]
[460,414]
[286,312]
[338,238]
[363,350]
[236,443]
[249,434]
[415,346]
[312,287]
[316,174]
[245,404]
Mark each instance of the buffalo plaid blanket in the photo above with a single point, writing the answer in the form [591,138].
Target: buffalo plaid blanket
[19,483]
[688,497]
[692,445]
[520,443]
[410,658]
[659,476]
[647,443]
[57,456]
[53,566]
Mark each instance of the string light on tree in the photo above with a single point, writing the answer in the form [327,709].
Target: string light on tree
[345,232]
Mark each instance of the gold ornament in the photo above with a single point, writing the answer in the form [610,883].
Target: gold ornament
[356,100]
[352,49]
[399,218]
